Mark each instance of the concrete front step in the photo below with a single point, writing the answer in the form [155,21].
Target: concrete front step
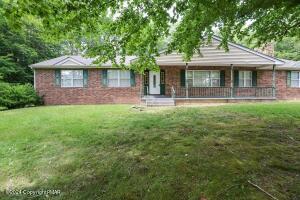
[160,102]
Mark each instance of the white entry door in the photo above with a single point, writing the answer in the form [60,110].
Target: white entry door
[154,82]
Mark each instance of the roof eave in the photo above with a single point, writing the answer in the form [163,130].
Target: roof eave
[70,66]
[58,66]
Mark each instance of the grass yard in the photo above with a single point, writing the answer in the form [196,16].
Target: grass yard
[117,152]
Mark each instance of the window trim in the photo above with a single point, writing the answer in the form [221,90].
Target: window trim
[210,78]
[72,80]
[298,79]
[244,79]
[119,78]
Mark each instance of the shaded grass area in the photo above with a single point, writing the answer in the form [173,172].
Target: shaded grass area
[2,108]
[116,152]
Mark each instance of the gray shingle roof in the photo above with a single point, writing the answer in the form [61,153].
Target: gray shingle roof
[290,64]
[212,55]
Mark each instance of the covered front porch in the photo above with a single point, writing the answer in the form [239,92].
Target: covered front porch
[200,82]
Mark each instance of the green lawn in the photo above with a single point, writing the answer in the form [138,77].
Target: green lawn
[117,152]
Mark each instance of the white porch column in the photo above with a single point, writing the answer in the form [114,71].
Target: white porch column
[274,81]
[231,80]
[186,81]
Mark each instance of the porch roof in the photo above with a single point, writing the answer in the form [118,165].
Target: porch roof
[212,55]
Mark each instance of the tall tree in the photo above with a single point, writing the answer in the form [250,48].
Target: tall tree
[288,48]
[136,27]
[19,49]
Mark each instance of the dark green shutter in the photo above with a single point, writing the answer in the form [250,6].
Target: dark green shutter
[162,82]
[222,78]
[132,78]
[236,78]
[57,77]
[288,78]
[85,78]
[146,82]
[254,78]
[104,77]
[182,78]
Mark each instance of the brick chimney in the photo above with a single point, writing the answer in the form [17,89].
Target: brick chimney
[267,49]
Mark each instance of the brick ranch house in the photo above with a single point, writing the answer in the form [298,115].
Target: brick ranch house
[238,75]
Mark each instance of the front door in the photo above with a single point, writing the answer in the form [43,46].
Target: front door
[154,82]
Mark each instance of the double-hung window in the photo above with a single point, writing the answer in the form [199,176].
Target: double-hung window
[71,78]
[118,78]
[199,78]
[295,78]
[245,78]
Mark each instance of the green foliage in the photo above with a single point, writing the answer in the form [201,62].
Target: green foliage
[288,48]
[18,96]
[111,28]
[20,48]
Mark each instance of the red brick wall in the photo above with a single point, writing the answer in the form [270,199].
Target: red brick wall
[284,92]
[264,78]
[95,93]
